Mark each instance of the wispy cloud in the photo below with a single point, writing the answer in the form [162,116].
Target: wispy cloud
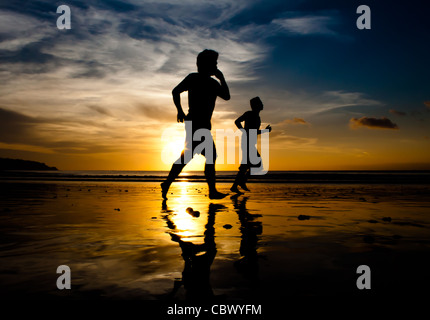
[397,113]
[282,140]
[307,25]
[341,98]
[19,30]
[100,110]
[310,105]
[295,121]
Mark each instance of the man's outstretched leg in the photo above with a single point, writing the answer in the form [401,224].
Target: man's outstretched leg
[244,179]
[173,174]
[210,178]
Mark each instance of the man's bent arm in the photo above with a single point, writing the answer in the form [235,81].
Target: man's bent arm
[224,91]
[176,93]
[239,120]
[177,99]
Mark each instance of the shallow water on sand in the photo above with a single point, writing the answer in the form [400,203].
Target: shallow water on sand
[121,241]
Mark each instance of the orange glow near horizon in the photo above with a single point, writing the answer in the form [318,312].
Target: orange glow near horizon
[294,158]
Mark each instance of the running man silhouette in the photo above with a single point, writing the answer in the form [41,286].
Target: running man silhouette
[252,122]
[203,91]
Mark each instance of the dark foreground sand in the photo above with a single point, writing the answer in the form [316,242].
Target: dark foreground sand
[282,240]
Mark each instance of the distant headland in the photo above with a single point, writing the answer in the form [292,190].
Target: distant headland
[19,164]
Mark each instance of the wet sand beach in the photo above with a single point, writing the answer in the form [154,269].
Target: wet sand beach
[121,241]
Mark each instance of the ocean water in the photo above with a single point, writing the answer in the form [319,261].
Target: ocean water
[396,177]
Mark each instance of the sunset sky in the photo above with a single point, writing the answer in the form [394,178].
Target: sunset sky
[98,96]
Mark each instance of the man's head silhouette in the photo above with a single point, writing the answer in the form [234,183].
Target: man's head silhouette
[207,62]
[256,104]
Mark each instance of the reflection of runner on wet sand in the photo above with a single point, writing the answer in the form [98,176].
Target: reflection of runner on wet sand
[250,230]
[198,258]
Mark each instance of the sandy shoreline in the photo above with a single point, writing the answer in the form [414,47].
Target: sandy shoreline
[283,240]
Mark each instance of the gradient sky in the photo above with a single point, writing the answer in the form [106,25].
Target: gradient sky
[98,96]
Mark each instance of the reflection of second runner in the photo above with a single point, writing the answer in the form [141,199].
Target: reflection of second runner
[202,93]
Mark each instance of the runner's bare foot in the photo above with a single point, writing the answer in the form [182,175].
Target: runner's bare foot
[244,187]
[235,189]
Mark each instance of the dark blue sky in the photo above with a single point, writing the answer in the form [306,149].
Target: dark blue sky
[390,61]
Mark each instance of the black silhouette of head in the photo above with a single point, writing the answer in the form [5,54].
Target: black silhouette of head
[256,104]
[207,62]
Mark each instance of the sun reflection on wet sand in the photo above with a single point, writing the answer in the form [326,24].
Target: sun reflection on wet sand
[186,215]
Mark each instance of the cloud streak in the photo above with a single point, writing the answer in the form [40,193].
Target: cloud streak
[295,121]
[397,113]
[307,25]
[372,123]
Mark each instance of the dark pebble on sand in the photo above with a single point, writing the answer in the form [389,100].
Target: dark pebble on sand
[154,218]
[303,217]
[386,219]
[190,211]
[117,209]
[227,226]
